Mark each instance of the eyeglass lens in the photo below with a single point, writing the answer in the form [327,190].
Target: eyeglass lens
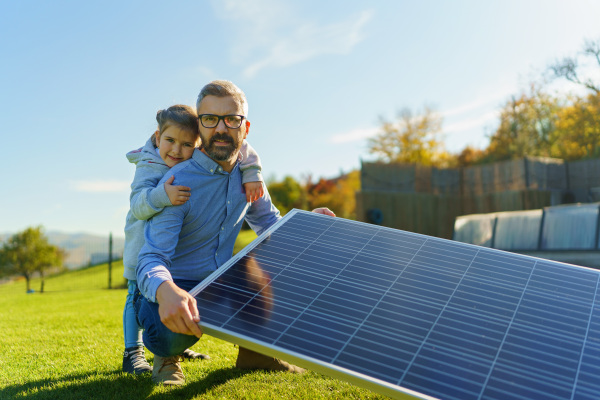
[210,121]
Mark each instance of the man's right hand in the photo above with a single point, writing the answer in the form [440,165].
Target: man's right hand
[177,309]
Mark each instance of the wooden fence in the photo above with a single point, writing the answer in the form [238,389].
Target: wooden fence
[427,200]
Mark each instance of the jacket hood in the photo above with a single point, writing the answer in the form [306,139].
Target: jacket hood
[146,153]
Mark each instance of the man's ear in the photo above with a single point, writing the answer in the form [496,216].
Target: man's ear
[247,128]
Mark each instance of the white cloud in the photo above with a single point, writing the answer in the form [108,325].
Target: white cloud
[465,117]
[109,186]
[470,123]
[204,71]
[354,135]
[492,100]
[271,36]
[464,124]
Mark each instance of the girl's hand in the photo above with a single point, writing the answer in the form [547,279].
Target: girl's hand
[254,191]
[177,194]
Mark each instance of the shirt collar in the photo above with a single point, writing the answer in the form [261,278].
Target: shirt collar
[209,164]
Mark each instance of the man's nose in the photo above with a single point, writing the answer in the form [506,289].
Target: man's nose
[221,127]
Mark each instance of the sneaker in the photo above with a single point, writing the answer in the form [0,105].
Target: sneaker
[134,361]
[192,355]
[248,359]
[167,370]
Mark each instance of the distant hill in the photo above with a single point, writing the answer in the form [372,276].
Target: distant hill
[82,249]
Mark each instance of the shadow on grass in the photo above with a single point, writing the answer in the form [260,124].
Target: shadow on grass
[114,386]
[197,388]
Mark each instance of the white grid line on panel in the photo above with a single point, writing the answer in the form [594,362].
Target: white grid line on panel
[586,338]
[439,316]
[504,340]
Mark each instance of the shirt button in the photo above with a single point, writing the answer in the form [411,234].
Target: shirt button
[212,170]
[228,202]
[222,228]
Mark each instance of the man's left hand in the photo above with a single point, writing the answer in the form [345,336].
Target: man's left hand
[324,210]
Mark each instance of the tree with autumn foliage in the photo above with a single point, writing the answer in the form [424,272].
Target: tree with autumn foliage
[577,134]
[527,123]
[470,156]
[411,138]
[287,194]
[338,194]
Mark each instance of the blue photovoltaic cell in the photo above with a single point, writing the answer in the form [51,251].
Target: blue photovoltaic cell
[410,315]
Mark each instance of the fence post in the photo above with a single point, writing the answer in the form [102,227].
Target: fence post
[110,245]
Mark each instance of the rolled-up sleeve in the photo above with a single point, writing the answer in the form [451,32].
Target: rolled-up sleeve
[262,214]
[161,235]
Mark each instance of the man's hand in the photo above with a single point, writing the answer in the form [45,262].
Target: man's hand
[324,210]
[177,194]
[177,309]
[254,191]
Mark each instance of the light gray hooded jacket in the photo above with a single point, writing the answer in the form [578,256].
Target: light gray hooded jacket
[147,199]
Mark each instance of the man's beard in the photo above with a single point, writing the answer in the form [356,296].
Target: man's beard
[221,153]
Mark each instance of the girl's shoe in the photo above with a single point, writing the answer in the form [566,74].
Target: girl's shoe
[134,361]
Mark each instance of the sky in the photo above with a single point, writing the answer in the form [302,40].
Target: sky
[81,82]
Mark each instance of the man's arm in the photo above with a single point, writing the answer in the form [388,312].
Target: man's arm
[176,307]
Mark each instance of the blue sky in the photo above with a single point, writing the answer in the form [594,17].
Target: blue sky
[81,81]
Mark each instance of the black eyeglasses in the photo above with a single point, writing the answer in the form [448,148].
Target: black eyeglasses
[211,120]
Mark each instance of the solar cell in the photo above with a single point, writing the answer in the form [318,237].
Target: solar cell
[408,315]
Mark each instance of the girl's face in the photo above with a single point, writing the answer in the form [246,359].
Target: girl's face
[176,145]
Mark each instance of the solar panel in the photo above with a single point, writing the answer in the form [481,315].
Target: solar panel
[408,315]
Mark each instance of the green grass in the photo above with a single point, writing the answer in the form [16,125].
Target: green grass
[67,344]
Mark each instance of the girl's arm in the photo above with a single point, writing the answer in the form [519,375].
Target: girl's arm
[251,172]
[147,199]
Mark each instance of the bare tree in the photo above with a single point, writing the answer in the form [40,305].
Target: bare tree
[569,68]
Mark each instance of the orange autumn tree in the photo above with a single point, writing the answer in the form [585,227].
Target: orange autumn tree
[339,194]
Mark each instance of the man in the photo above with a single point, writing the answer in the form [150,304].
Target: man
[185,243]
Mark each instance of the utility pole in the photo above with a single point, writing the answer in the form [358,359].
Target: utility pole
[110,245]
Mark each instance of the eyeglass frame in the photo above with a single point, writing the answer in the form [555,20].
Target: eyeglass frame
[219,118]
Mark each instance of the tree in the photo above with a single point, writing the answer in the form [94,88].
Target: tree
[570,68]
[287,194]
[337,194]
[411,139]
[577,134]
[526,126]
[470,156]
[28,252]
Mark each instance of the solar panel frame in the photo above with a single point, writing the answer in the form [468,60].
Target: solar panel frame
[464,351]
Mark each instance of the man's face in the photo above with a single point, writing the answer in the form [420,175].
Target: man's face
[222,143]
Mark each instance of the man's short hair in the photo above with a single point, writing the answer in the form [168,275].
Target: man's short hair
[220,88]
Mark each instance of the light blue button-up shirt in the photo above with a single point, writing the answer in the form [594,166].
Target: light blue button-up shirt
[192,240]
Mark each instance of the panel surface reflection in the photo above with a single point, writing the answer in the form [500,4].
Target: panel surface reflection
[442,318]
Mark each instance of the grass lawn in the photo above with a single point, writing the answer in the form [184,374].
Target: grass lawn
[67,344]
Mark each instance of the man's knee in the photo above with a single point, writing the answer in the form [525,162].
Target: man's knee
[159,339]
[168,343]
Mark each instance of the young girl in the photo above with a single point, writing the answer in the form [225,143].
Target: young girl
[174,141]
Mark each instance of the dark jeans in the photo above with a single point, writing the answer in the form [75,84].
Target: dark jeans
[159,339]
